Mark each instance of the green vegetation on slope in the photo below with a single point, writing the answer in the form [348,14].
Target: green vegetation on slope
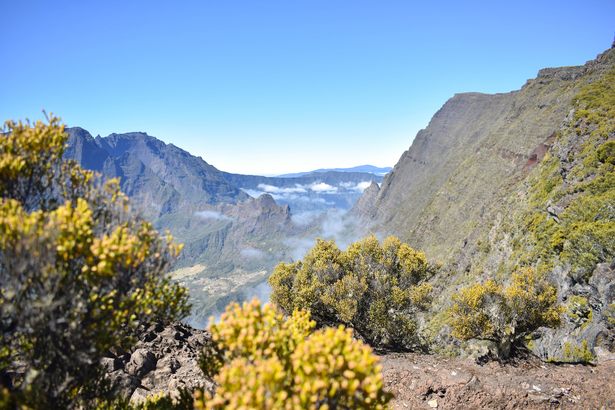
[570,216]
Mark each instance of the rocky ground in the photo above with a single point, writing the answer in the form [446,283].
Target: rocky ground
[428,381]
[167,360]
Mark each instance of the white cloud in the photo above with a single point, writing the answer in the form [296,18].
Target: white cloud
[272,189]
[213,215]
[362,186]
[252,253]
[323,188]
[305,218]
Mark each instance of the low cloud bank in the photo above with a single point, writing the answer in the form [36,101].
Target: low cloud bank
[252,253]
[333,224]
[272,189]
[323,187]
[212,215]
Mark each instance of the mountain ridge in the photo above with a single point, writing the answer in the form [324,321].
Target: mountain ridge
[370,169]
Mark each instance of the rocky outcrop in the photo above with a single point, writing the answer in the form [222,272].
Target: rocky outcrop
[165,360]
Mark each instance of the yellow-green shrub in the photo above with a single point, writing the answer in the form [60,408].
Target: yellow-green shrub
[505,315]
[374,288]
[79,272]
[269,362]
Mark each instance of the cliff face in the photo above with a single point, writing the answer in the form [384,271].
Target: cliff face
[473,151]
[506,180]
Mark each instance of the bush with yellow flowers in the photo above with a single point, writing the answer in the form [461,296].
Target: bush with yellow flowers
[377,289]
[80,273]
[265,361]
[505,315]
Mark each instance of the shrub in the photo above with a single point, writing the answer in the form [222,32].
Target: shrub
[268,362]
[80,273]
[374,288]
[505,315]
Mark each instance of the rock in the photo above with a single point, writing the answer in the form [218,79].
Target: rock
[163,361]
[141,362]
[108,363]
[433,403]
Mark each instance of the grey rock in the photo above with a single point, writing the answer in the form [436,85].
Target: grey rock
[161,364]
[141,362]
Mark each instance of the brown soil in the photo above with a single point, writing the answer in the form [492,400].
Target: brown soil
[429,381]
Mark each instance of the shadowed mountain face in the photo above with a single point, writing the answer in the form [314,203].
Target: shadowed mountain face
[160,178]
[506,180]
[235,228]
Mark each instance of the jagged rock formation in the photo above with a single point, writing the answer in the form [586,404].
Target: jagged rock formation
[494,181]
[165,360]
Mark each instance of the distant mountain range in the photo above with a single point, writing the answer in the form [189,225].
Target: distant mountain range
[369,169]
[234,228]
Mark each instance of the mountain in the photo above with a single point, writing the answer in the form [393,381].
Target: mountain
[368,169]
[231,240]
[235,228]
[497,181]
[161,178]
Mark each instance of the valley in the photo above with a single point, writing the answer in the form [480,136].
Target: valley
[234,228]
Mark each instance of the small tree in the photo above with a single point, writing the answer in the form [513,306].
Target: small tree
[263,361]
[374,288]
[80,273]
[505,315]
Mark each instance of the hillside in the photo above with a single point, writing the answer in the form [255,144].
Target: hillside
[513,179]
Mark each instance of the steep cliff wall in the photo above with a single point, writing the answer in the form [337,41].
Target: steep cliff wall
[519,179]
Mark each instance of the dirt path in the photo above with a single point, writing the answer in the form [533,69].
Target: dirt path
[429,381]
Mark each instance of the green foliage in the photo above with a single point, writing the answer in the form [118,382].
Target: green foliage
[269,362]
[374,288]
[596,104]
[577,354]
[505,315]
[80,273]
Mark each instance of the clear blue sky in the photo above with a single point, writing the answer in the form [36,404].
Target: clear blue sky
[279,86]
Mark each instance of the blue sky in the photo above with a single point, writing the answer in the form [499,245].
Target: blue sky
[279,86]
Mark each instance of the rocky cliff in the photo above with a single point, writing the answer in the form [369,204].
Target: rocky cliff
[498,181]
